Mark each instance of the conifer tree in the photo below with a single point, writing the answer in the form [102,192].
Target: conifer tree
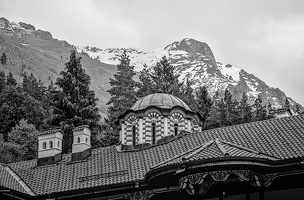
[244,110]
[203,103]
[145,86]
[3,59]
[188,95]
[123,94]
[270,111]
[230,109]
[2,81]
[164,79]
[260,111]
[287,104]
[75,104]
[10,80]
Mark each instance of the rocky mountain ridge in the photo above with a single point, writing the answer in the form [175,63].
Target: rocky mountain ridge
[36,51]
[195,60]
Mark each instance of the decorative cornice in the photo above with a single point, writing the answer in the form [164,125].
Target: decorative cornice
[51,131]
[78,128]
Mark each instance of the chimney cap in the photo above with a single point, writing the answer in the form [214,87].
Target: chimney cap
[78,128]
[51,131]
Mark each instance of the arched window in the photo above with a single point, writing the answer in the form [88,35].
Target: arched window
[58,144]
[133,136]
[153,133]
[44,145]
[175,129]
[78,140]
[51,144]
[86,140]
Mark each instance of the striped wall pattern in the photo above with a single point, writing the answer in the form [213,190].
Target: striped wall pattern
[130,122]
[179,119]
[159,120]
[194,125]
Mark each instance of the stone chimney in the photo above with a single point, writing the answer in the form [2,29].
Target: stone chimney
[81,147]
[49,147]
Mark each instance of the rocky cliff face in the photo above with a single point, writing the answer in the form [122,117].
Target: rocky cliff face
[22,29]
[194,60]
[36,51]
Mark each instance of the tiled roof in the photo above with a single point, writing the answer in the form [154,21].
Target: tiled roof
[160,100]
[275,139]
[49,132]
[8,180]
[214,149]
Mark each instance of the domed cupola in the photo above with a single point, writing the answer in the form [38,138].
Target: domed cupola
[155,117]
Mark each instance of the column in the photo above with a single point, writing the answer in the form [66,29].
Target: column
[189,125]
[165,126]
[140,130]
[122,133]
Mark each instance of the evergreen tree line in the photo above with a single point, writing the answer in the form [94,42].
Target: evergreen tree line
[29,107]
[215,111]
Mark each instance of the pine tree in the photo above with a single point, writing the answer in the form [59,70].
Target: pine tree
[270,111]
[10,80]
[230,109]
[145,86]
[33,87]
[2,81]
[204,104]
[3,59]
[123,94]
[260,112]
[188,95]
[287,104]
[75,104]
[164,79]
[244,110]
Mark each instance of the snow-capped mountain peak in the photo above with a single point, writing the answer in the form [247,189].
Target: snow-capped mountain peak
[195,60]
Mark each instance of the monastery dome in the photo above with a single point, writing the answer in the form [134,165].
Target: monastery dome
[160,100]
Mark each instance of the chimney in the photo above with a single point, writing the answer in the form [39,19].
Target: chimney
[49,147]
[81,147]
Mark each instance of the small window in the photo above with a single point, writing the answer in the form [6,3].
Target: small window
[44,145]
[153,133]
[133,136]
[51,144]
[175,129]
[58,144]
[87,140]
[78,140]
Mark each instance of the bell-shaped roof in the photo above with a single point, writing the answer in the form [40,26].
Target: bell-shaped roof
[160,100]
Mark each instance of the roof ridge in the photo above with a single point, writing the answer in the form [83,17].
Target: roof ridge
[20,181]
[182,154]
[220,146]
[239,146]
[248,149]
[199,149]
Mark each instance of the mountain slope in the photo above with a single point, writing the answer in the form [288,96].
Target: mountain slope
[35,51]
[195,60]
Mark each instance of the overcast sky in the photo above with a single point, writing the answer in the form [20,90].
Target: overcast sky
[265,38]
